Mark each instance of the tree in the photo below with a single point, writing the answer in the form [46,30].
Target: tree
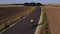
[32,4]
[26,4]
[38,4]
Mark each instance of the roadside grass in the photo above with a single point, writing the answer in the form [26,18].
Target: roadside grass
[44,26]
[12,21]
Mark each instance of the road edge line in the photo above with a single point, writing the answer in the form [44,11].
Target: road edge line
[16,22]
[37,31]
[13,24]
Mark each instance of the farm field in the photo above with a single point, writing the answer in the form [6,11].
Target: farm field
[53,16]
[9,15]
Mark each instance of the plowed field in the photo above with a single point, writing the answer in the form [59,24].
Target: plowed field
[53,15]
[9,13]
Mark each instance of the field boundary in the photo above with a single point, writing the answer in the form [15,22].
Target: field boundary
[12,25]
[44,25]
[17,21]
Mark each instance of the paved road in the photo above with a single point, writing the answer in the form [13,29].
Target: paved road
[25,26]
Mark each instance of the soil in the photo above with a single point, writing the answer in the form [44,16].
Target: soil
[53,16]
[8,13]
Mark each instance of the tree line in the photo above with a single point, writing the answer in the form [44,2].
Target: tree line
[29,4]
[32,4]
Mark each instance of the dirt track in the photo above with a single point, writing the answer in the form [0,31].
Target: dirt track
[53,15]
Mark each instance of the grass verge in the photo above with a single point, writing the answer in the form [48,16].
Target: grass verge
[13,20]
[44,27]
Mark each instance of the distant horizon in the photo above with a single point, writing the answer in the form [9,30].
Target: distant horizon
[23,1]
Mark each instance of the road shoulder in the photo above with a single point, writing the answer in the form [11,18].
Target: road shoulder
[39,26]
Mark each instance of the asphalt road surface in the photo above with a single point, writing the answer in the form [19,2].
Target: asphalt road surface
[25,26]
